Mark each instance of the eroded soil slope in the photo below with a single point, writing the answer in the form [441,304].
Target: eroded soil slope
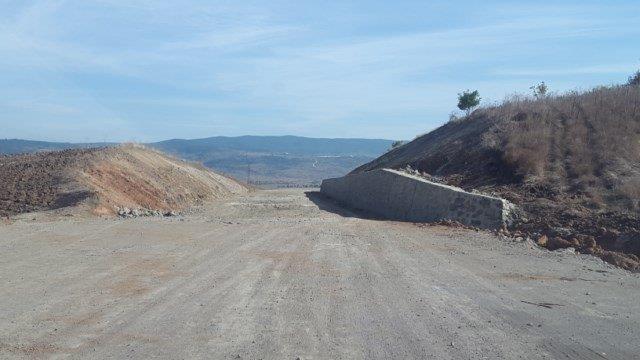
[106,178]
[571,163]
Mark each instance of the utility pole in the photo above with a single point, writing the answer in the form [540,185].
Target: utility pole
[246,159]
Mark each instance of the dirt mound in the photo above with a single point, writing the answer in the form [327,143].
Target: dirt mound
[106,178]
[571,163]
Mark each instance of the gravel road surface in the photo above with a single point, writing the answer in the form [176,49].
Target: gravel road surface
[286,274]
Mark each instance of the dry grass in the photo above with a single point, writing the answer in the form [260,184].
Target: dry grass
[587,142]
[570,162]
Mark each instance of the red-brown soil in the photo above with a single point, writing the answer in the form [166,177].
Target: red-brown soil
[106,178]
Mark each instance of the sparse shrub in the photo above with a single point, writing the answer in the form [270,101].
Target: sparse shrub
[397,144]
[527,147]
[634,80]
[577,143]
[574,138]
[468,100]
[630,190]
[539,90]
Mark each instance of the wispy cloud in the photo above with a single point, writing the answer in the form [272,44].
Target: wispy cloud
[626,68]
[387,75]
[229,39]
[323,72]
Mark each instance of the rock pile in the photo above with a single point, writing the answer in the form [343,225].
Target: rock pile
[126,212]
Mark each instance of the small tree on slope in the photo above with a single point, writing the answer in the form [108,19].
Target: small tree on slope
[467,100]
[634,80]
[540,90]
[397,143]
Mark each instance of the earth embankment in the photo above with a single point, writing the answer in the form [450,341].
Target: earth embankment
[104,179]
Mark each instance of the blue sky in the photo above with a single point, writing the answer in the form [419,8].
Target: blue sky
[142,70]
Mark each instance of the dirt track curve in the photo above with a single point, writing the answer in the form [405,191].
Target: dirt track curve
[285,275]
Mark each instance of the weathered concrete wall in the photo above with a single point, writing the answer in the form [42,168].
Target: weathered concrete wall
[399,196]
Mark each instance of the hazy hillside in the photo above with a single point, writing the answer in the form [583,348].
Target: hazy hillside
[294,145]
[278,160]
[269,161]
[572,163]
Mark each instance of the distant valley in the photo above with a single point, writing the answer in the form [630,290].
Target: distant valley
[264,161]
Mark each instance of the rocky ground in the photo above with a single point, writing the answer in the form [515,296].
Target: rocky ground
[564,222]
[287,274]
[557,221]
[33,182]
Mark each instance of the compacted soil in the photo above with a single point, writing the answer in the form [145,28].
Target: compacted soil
[287,274]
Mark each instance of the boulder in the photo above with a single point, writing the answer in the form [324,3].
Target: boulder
[543,241]
[557,242]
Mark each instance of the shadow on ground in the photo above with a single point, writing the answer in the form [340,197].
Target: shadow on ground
[72,198]
[332,206]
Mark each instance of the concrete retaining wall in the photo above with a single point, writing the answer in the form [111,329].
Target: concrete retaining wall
[398,196]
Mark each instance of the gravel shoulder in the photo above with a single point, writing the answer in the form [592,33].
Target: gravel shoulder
[282,274]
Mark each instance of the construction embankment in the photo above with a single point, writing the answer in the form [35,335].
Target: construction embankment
[396,195]
[106,181]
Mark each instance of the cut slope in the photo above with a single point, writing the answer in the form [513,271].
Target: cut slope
[571,162]
[126,176]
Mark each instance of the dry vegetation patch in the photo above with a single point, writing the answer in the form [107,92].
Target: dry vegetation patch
[572,163]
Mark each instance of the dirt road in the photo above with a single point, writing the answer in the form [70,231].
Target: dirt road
[285,275]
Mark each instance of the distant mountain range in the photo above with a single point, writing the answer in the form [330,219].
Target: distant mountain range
[19,146]
[268,161]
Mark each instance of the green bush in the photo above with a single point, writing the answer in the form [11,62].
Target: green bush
[467,100]
[634,80]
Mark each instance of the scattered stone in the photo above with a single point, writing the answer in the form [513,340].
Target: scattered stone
[567,251]
[622,260]
[557,242]
[543,241]
[561,232]
[586,241]
[126,212]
